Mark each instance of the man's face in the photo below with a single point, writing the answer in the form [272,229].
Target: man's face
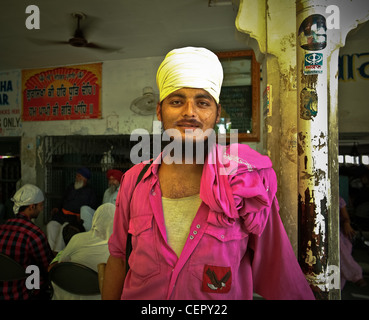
[36,209]
[188,109]
[80,181]
[80,177]
[113,184]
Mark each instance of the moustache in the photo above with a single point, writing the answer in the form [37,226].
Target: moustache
[188,123]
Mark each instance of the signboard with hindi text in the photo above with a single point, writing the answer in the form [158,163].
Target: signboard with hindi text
[62,93]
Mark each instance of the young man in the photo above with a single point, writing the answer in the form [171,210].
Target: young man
[23,241]
[200,230]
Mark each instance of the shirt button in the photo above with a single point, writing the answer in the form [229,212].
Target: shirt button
[195,232]
[191,237]
[222,236]
[198,226]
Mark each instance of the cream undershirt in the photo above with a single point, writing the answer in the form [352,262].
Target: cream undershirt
[178,217]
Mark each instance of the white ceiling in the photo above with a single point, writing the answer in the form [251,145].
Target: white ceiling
[137,28]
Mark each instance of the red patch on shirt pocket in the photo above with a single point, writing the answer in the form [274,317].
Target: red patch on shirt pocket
[216,279]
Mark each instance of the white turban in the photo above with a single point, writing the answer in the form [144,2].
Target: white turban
[190,67]
[28,194]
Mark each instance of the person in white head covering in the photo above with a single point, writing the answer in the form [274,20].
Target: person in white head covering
[28,195]
[26,243]
[88,248]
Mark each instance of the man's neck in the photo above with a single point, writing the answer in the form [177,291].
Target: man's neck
[185,152]
[180,180]
[25,214]
[182,168]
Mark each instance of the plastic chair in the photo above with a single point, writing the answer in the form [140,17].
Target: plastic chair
[75,278]
[10,270]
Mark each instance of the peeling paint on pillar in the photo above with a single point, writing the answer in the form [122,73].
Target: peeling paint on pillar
[313,261]
[313,193]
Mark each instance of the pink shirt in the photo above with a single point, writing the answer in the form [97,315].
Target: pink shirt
[237,244]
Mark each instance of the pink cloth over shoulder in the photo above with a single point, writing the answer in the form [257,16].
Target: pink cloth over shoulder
[248,193]
[236,187]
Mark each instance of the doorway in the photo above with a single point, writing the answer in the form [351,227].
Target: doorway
[10,174]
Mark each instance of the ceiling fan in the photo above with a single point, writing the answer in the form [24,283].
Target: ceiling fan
[78,39]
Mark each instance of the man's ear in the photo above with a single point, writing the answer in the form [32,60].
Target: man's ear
[158,111]
[219,111]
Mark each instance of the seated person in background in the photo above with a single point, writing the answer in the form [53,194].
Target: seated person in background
[24,242]
[76,195]
[350,269]
[88,248]
[110,195]
[114,177]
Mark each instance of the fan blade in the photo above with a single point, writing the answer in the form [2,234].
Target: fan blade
[101,47]
[46,41]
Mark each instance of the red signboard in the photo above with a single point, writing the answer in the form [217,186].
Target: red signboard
[62,93]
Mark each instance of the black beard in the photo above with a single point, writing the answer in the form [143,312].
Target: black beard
[190,150]
[183,143]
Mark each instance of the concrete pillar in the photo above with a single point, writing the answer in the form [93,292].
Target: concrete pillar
[301,136]
[271,26]
[319,37]
[314,192]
